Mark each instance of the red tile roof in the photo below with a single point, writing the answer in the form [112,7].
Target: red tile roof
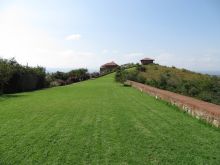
[147,59]
[110,64]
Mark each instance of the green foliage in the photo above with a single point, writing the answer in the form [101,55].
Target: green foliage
[132,75]
[141,79]
[193,91]
[152,82]
[62,78]
[5,73]
[121,75]
[59,76]
[206,96]
[182,81]
[128,65]
[163,80]
[100,122]
[94,75]
[79,74]
[17,78]
[140,68]
[57,82]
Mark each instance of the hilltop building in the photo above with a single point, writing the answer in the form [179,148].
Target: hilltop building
[108,67]
[147,61]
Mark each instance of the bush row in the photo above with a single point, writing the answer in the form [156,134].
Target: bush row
[18,78]
[61,78]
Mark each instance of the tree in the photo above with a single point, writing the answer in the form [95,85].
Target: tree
[121,75]
[17,78]
[140,68]
[6,71]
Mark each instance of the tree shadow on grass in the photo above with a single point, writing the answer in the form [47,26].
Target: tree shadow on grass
[10,96]
[125,84]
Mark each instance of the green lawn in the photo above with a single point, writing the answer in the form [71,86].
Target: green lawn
[101,122]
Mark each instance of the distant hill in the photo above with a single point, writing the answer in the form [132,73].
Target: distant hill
[216,73]
[201,86]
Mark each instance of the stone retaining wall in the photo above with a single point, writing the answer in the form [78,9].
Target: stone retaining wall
[200,109]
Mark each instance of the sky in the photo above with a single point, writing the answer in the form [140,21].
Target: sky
[72,34]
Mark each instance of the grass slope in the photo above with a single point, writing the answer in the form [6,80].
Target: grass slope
[101,122]
[154,71]
[200,86]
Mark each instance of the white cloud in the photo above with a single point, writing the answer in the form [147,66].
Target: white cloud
[74,37]
[28,44]
[31,45]
[19,39]
[104,51]
[115,51]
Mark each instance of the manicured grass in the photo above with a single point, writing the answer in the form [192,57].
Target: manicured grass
[101,122]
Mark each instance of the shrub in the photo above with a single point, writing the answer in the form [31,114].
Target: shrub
[182,81]
[57,83]
[94,75]
[163,80]
[206,96]
[132,75]
[152,82]
[6,71]
[17,78]
[155,67]
[141,68]
[193,91]
[127,84]
[59,76]
[141,79]
[121,75]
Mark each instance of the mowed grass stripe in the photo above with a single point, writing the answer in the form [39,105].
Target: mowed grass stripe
[101,122]
[166,126]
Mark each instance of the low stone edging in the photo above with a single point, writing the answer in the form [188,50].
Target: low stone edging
[200,109]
